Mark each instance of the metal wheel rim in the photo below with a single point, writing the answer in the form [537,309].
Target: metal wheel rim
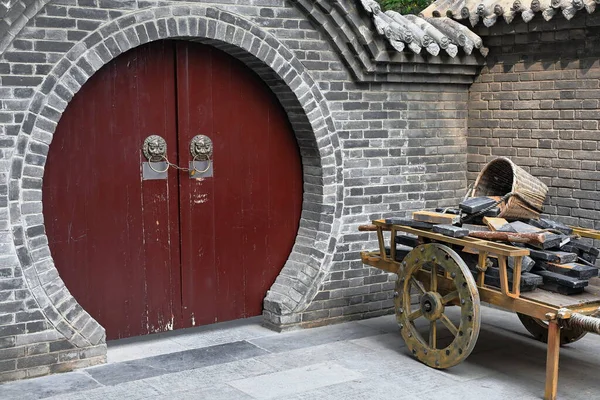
[437,257]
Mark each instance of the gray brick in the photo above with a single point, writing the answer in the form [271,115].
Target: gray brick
[25,57]
[60,345]
[52,46]
[35,361]
[12,306]
[88,13]
[48,22]
[36,349]
[8,365]
[10,330]
[21,80]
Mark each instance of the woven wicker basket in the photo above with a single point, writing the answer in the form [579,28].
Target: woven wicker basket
[502,176]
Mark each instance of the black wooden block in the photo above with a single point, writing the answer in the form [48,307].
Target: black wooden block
[545,223]
[585,247]
[476,204]
[553,287]
[476,220]
[532,279]
[494,212]
[494,271]
[451,230]
[407,240]
[507,228]
[526,263]
[520,227]
[409,222]
[526,277]
[569,248]
[564,257]
[472,260]
[589,258]
[579,271]
[562,280]
[476,228]
[527,284]
[401,252]
[561,257]
[551,241]
[542,255]
[454,211]
[564,240]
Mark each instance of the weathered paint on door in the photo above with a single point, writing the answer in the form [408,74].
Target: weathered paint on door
[245,218]
[149,256]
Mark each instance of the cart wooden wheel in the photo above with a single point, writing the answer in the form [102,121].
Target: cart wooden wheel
[539,330]
[441,278]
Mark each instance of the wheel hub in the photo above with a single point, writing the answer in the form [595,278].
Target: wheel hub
[431,305]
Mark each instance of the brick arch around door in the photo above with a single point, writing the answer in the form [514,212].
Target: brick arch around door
[145,256]
[285,75]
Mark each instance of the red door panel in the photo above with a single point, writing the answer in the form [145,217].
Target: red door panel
[144,256]
[115,238]
[245,218]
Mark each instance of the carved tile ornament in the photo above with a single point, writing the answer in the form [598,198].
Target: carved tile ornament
[489,12]
[423,33]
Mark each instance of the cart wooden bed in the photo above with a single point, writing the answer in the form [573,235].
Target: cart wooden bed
[441,278]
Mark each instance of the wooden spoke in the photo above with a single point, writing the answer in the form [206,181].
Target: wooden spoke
[433,335]
[433,285]
[449,324]
[449,297]
[414,315]
[418,284]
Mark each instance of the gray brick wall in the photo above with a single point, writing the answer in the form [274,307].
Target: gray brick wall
[536,101]
[380,134]
[405,156]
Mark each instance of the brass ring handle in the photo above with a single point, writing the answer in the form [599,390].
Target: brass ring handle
[161,158]
[194,165]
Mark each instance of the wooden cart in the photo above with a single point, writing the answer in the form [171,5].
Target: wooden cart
[441,278]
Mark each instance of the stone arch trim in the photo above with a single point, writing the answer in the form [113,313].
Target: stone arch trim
[336,18]
[299,94]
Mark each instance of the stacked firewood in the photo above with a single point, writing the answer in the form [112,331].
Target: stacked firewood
[559,261]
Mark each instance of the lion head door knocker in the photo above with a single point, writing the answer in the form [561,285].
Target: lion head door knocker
[201,149]
[155,150]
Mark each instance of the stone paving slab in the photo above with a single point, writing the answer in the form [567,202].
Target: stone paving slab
[297,380]
[133,390]
[202,378]
[113,374]
[355,360]
[185,339]
[361,389]
[132,350]
[47,386]
[314,337]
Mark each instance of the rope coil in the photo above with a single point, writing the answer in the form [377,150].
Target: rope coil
[587,323]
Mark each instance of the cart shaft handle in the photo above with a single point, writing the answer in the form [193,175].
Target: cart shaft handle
[367,228]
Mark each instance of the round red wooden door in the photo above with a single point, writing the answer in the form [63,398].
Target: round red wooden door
[144,256]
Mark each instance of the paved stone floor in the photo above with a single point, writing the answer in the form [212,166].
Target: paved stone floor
[355,360]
